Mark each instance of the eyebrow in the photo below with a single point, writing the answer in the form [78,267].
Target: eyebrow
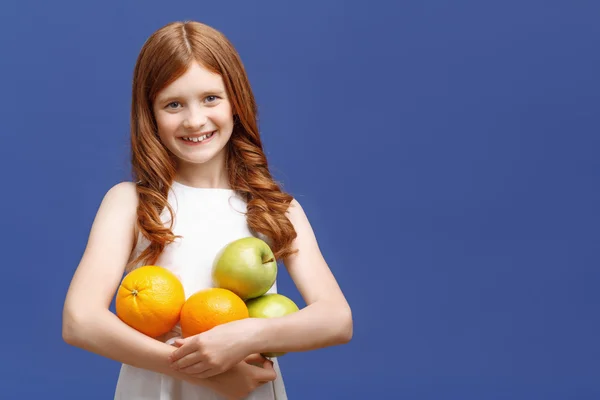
[205,93]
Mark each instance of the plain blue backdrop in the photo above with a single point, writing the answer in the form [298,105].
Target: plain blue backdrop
[445,152]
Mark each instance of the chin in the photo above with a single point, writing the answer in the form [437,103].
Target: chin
[199,159]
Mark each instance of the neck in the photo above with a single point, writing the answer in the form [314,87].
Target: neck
[211,174]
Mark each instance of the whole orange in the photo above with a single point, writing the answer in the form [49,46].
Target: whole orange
[208,308]
[150,299]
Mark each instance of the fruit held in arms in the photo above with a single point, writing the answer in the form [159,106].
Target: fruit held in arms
[245,266]
[150,299]
[271,305]
[208,308]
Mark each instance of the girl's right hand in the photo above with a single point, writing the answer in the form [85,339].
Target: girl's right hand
[243,378]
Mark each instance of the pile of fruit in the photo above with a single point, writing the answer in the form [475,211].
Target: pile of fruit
[151,299]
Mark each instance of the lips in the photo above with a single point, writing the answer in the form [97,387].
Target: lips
[198,134]
[198,138]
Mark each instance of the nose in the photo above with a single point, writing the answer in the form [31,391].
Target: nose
[195,118]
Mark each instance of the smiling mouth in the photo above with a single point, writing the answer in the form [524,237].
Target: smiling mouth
[198,139]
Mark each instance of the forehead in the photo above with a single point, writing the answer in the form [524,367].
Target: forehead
[196,79]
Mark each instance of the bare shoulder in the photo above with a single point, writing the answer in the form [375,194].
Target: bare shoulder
[124,193]
[115,217]
[107,251]
[305,235]
[117,211]
[296,214]
[308,268]
[295,205]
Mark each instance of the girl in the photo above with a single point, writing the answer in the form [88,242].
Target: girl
[201,181]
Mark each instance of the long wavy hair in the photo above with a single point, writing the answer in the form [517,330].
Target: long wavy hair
[164,57]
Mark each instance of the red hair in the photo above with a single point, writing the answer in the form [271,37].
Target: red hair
[165,56]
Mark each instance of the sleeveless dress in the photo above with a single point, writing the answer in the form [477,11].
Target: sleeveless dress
[207,219]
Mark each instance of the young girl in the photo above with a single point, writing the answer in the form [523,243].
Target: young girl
[201,180]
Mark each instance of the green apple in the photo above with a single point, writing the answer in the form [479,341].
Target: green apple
[245,266]
[271,305]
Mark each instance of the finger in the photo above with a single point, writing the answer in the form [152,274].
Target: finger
[255,359]
[181,352]
[268,364]
[266,374]
[195,369]
[187,361]
[269,376]
[208,373]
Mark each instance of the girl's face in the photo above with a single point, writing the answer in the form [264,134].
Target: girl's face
[194,116]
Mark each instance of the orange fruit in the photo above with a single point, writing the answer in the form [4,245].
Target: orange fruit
[208,308]
[150,299]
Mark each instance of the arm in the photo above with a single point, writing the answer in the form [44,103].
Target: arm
[325,321]
[87,321]
[327,318]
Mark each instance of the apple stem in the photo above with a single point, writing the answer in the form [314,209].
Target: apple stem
[269,260]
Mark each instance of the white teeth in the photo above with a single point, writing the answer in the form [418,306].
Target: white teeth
[198,139]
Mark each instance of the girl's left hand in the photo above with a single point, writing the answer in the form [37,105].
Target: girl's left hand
[214,351]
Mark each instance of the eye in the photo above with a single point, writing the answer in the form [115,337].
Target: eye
[173,104]
[211,98]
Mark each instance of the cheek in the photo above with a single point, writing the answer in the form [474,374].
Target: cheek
[224,120]
[166,126]
[223,115]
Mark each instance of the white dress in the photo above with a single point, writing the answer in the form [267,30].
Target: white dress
[207,220]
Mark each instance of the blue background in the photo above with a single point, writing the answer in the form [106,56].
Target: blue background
[446,153]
